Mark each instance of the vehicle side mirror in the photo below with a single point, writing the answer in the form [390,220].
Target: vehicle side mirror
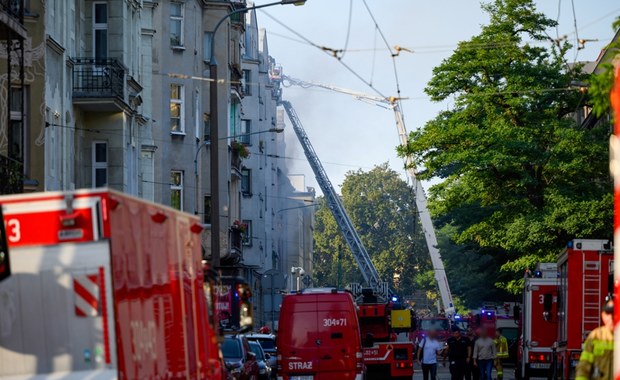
[250,356]
[267,356]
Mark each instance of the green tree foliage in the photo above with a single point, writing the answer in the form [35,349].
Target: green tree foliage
[519,177]
[382,208]
[602,82]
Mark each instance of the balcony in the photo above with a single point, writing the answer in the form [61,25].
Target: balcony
[11,176]
[12,19]
[98,84]
[236,159]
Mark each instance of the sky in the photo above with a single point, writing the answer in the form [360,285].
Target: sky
[349,134]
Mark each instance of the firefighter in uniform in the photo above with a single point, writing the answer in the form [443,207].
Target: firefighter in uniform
[596,361]
[501,345]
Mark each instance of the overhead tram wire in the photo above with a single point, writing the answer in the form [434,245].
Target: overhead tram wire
[346,42]
[327,50]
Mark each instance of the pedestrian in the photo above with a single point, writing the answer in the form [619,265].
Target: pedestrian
[472,372]
[501,348]
[484,354]
[596,361]
[428,350]
[459,353]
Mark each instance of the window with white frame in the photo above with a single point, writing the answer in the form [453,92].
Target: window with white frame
[176,24]
[247,235]
[100,30]
[246,181]
[100,164]
[176,189]
[177,122]
[246,130]
[247,82]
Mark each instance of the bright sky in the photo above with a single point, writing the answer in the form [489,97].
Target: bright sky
[349,134]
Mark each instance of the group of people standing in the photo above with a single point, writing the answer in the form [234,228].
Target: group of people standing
[471,356]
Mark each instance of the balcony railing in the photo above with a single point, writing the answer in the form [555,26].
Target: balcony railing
[98,78]
[11,176]
[235,162]
[14,8]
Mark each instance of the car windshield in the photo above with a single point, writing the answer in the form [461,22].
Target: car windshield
[434,324]
[231,349]
[267,344]
[257,350]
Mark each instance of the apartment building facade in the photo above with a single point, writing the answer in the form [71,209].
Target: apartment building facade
[21,96]
[94,108]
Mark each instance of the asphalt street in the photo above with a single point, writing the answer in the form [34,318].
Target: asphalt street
[443,373]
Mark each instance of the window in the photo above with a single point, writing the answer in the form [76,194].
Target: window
[247,235]
[176,189]
[206,117]
[16,127]
[100,30]
[100,163]
[246,181]
[247,82]
[246,128]
[176,24]
[207,46]
[176,109]
[206,217]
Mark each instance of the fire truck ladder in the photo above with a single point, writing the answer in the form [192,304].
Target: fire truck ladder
[371,276]
[420,196]
[591,297]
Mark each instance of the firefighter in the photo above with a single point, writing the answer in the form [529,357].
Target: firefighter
[501,346]
[596,361]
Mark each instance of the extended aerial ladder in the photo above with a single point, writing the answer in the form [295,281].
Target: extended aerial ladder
[361,256]
[359,252]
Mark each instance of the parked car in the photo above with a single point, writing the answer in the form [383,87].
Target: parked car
[239,358]
[268,343]
[264,369]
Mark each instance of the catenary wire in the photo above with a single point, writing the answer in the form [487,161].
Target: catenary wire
[346,42]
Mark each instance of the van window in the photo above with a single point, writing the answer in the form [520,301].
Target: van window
[231,349]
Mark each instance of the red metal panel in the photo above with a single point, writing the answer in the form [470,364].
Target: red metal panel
[156,263]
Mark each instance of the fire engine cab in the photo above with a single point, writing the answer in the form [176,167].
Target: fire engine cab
[586,279]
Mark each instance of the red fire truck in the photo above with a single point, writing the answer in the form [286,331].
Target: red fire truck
[381,320]
[105,286]
[538,322]
[586,279]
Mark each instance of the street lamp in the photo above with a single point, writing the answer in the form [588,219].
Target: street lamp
[206,143]
[300,273]
[215,170]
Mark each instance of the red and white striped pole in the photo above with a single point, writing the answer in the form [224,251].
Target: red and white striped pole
[614,166]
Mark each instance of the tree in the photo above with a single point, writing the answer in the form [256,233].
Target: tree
[382,208]
[519,177]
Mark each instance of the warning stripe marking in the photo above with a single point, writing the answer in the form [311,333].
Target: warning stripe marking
[86,288]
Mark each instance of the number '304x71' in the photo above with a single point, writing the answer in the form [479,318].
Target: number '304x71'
[328,322]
